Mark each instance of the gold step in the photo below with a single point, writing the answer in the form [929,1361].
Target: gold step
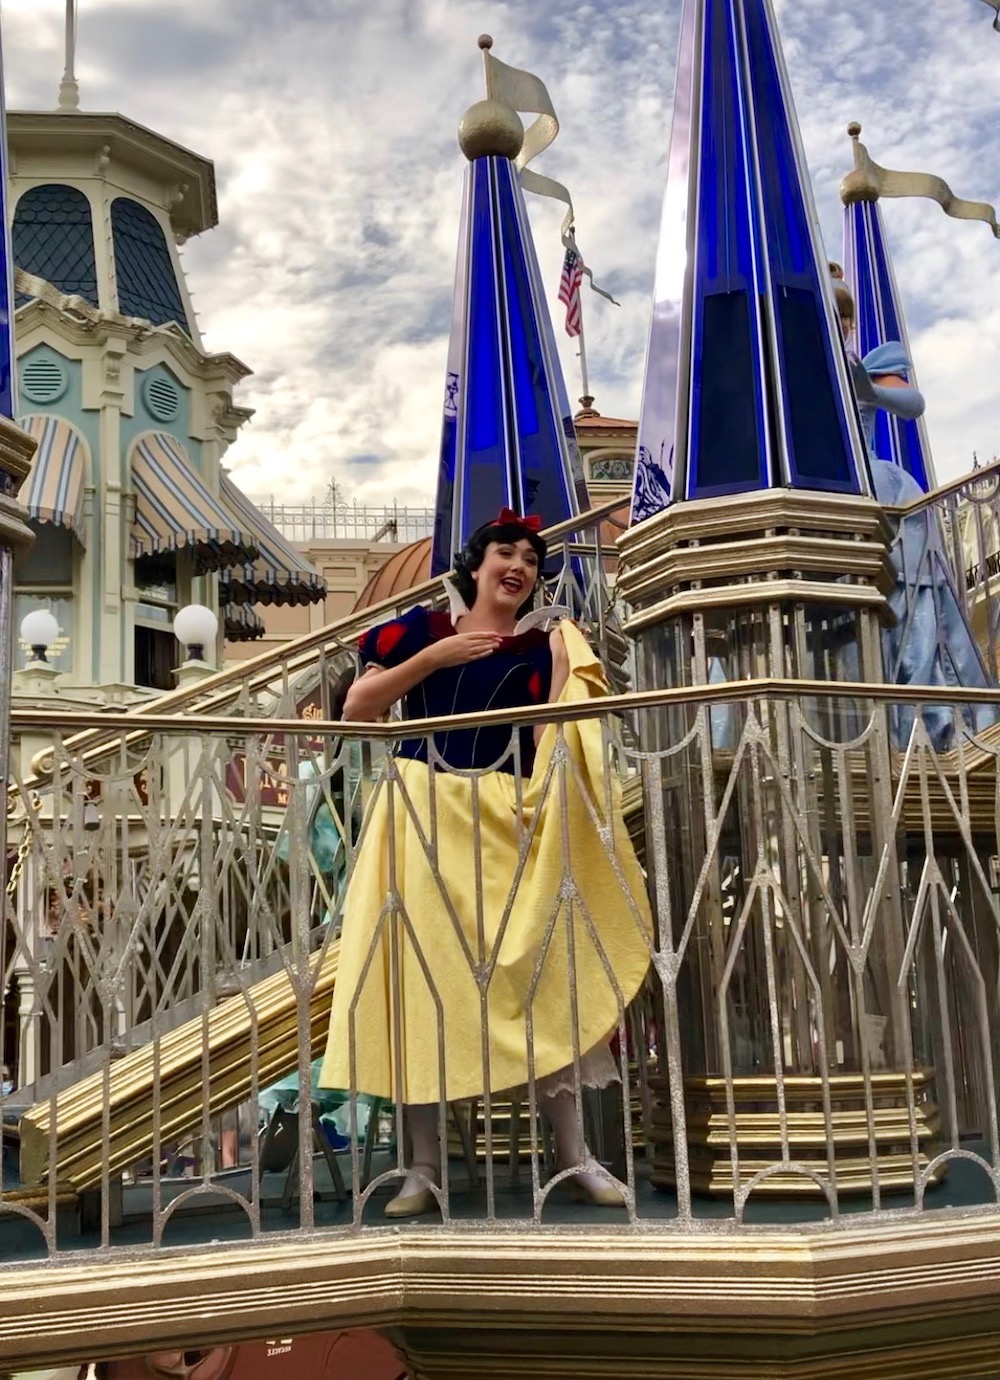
[206,1062]
[756,1130]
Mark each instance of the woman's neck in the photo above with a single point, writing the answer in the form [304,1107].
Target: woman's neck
[482,619]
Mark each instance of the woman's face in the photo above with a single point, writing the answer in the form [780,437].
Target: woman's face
[508,574]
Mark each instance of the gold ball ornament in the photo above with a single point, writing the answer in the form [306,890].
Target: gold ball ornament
[490,128]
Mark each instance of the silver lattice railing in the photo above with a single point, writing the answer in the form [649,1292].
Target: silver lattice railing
[966,512]
[816,1033]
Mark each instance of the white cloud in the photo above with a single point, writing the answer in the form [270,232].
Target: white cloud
[333,130]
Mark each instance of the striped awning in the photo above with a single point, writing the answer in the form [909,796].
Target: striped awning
[175,511]
[54,489]
[280,574]
[241,623]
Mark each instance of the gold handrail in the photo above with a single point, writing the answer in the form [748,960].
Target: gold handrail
[945,490]
[766,687]
[258,672]
[293,656]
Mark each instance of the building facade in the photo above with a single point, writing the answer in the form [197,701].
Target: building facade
[133,512]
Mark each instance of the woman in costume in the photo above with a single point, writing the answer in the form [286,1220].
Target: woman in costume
[930,643]
[496,923]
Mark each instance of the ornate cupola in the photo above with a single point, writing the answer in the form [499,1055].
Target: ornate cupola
[133,514]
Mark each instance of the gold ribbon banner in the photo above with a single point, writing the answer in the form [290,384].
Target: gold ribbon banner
[523,91]
[885,182]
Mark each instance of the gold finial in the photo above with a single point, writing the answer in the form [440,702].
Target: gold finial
[490,128]
[860,184]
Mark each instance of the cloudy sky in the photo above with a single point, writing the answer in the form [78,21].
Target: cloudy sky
[332,126]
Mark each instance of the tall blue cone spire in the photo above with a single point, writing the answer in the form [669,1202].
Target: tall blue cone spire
[508,437]
[746,380]
[8,397]
[879,317]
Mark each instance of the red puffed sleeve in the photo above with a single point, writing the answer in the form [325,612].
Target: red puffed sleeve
[390,644]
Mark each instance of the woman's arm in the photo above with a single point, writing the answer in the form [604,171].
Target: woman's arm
[374,693]
[895,394]
[560,673]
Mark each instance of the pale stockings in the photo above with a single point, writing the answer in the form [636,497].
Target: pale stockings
[556,1092]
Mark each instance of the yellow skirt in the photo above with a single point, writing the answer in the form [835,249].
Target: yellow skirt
[480,930]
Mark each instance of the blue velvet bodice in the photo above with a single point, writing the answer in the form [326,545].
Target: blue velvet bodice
[518,673]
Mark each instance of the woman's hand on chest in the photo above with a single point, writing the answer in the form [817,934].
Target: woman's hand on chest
[461,649]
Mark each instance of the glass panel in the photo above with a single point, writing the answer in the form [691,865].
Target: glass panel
[53,238]
[60,655]
[147,283]
[49,558]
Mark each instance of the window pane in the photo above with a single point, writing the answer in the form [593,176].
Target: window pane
[61,654]
[54,239]
[49,558]
[147,284]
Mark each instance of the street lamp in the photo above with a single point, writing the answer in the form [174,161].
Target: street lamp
[195,627]
[40,630]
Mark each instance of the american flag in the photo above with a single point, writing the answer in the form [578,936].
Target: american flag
[569,291]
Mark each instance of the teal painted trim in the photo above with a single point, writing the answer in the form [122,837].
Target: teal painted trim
[87,420]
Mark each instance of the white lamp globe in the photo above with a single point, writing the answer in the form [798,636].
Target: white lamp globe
[196,627]
[40,630]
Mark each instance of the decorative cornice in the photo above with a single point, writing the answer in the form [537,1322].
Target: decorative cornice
[793,509]
[756,593]
[16,451]
[742,560]
[186,179]
[805,1303]
[753,548]
[82,325]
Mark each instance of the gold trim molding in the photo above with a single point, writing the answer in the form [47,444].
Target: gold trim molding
[760,1126]
[788,1300]
[762,538]
[16,450]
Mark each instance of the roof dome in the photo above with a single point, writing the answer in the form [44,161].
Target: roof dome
[405,568]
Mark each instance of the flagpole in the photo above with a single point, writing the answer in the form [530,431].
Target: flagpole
[485,42]
[69,89]
[583,358]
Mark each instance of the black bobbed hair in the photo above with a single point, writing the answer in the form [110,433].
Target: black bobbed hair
[471,557]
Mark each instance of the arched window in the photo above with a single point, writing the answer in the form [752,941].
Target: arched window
[147,284]
[54,239]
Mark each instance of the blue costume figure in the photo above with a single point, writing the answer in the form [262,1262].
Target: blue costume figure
[931,642]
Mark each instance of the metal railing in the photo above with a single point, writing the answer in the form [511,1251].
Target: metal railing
[814,1030]
[815,1021]
[968,513]
[279,680]
[322,520]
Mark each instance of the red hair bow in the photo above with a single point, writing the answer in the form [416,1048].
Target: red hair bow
[508,518]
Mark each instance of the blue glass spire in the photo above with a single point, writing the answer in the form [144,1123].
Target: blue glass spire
[8,398]
[746,381]
[879,318]
[508,437]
